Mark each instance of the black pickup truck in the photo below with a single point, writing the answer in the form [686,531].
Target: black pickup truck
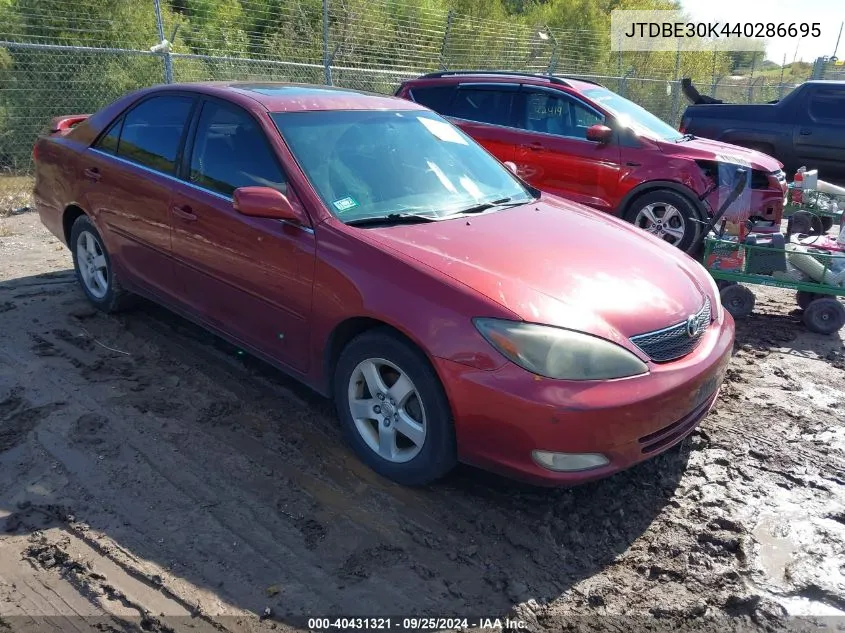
[806,127]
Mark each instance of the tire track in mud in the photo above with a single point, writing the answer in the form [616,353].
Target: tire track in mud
[382,511]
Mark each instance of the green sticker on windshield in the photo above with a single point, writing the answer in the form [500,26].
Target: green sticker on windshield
[344,204]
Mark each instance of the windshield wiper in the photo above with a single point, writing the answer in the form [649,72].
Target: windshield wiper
[392,218]
[486,206]
[686,137]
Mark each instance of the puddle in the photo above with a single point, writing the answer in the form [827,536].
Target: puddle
[800,552]
[806,607]
[777,546]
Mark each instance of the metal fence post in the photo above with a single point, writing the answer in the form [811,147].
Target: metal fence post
[553,58]
[327,62]
[168,62]
[444,63]
[676,92]
[750,97]
[713,74]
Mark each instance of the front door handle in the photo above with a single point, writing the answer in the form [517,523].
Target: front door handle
[92,173]
[805,132]
[184,212]
[536,146]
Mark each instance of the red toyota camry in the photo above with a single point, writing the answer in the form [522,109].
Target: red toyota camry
[374,251]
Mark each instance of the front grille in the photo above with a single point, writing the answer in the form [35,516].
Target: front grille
[675,342]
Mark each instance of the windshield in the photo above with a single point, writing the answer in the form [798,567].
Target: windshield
[632,116]
[371,164]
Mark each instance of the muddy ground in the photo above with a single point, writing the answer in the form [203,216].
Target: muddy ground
[151,475]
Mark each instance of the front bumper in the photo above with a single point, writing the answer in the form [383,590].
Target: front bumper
[766,203]
[502,416]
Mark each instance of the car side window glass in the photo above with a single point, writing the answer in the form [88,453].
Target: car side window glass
[435,97]
[152,131]
[483,106]
[828,105]
[109,141]
[231,150]
[557,114]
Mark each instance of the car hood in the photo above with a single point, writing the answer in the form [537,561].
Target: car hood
[705,149]
[560,263]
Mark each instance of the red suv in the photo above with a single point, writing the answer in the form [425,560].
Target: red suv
[577,139]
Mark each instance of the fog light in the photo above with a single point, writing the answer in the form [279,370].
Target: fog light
[569,462]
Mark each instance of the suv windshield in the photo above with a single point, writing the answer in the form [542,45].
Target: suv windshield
[632,116]
[374,164]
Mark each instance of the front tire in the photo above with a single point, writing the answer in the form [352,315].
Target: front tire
[94,269]
[667,215]
[393,410]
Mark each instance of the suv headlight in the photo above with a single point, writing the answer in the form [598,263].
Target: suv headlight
[557,353]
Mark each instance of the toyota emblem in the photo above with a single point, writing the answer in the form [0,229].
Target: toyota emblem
[692,326]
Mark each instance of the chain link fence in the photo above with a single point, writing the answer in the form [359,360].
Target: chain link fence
[60,59]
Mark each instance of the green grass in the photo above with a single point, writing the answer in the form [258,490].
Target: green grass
[15,193]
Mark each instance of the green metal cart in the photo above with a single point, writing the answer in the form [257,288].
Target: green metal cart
[817,276]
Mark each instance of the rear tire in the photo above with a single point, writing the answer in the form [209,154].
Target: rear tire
[668,215]
[738,300]
[824,316]
[393,409]
[804,298]
[94,269]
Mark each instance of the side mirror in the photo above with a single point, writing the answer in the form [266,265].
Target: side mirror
[264,202]
[510,165]
[599,133]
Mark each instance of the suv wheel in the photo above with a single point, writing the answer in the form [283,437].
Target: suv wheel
[666,214]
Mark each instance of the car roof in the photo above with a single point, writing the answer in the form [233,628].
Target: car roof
[295,97]
[494,76]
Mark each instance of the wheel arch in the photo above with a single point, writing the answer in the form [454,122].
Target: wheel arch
[348,329]
[69,216]
[657,185]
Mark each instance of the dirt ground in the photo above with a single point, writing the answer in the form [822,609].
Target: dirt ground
[152,476]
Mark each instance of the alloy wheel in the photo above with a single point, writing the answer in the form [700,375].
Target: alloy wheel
[662,220]
[387,410]
[93,268]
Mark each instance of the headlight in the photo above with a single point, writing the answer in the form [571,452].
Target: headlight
[556,353]
[720,311]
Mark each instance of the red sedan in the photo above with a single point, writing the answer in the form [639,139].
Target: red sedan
[374,251]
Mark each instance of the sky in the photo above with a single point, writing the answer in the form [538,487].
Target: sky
[829,13]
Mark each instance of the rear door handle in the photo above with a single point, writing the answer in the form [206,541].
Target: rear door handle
[805,132]
[184,212]
[92,173]
[536,146]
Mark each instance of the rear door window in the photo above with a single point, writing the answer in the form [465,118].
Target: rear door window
[152,131]
[556,113]
[828,105]
[435,97]
[230,150]
[482,105]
